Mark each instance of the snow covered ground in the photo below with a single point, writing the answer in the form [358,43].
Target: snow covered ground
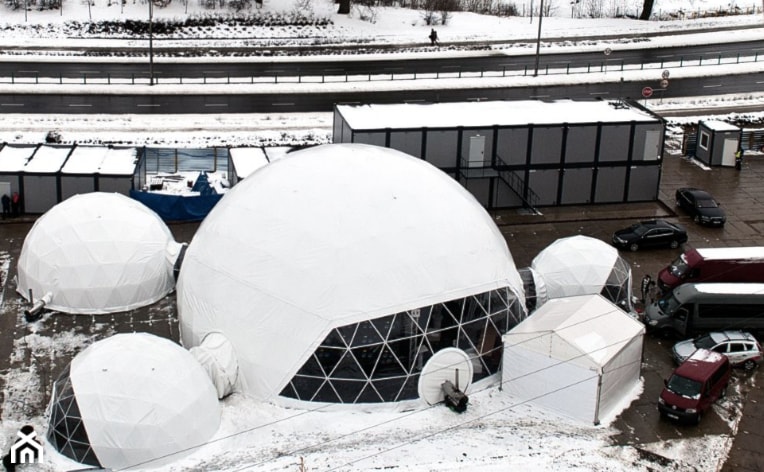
[495,434]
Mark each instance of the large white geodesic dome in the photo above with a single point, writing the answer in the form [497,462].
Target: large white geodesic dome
[132,400]
[316,265]
[97,253]
[581,265]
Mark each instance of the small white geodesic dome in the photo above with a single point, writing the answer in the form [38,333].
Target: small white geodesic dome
[581,265]
[132,400]
[97,253]
[314,265]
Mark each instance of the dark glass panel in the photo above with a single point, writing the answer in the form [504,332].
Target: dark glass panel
[369,395]
[383,325]
[312,367]
[348,389]
[289,391]
[333,339]
[348,368]
[328,357]
[366,334]
[306,387]
[404,350]
[421,317]
[389,388]
[388,365]
[367,357]
[347,332]
[326,394]
[410,389]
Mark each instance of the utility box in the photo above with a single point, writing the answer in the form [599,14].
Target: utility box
[717,143]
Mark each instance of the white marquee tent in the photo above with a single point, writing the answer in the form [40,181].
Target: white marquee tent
[97,253]
[578,356]
[132,400]
[331,236]
[581,265]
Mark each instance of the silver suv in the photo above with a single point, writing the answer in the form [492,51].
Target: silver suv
[740,347]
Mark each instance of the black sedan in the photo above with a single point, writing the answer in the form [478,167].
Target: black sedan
[701,206]
[652,233]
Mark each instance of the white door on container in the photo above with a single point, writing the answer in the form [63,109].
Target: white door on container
[728,152]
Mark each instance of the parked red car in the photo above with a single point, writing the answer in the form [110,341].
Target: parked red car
[694,386]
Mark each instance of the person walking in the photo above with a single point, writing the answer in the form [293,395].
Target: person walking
[433,37]
[16,204]
[6,206]
[739,159]
[646,280]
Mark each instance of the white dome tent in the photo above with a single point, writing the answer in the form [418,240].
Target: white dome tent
[578,356]
[581,265]
[337,271]
[132,400]
[97,253]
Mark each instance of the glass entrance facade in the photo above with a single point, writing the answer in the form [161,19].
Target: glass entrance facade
[380,360]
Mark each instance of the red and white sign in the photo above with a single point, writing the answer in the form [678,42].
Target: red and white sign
[647,92]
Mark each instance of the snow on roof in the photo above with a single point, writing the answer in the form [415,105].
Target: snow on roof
[85,160]
[14,158]
[119,161]
[704,355]
[101,160]
[592,326]
[716,125]
[716,253]
[47,159]
[277,152]
[247,160]
[472,114]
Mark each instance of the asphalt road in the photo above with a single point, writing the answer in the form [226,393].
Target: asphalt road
[102,68]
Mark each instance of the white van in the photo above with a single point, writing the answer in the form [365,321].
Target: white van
[699,308]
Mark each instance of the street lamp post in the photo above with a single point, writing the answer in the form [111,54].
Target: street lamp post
[538,40]
[151,42]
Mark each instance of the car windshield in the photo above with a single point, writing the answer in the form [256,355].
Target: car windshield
[684,387]
[668,305]
[679,267]
[706,203]
[704,342]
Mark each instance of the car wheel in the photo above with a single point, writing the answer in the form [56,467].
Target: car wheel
[697,219]
[634,247]
[674,244]
[749,365]
[723,393]
[698,418]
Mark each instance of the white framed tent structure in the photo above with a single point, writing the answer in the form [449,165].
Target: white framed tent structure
[13,158]
[131,401]
[97,253]
[577,356]
[337,272]
[581,265]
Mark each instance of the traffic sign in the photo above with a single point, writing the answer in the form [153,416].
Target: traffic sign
[608,51]
[664,83]
[665,74]
[647,92]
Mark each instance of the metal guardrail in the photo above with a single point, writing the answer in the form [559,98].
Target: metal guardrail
[604,66]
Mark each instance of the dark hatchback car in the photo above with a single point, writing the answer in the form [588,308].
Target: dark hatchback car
[649,234]
[701,206]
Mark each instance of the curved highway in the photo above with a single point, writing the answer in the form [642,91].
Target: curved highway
[322,102]
[325,66]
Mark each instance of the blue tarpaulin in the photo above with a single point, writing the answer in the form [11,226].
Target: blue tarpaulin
[176,207]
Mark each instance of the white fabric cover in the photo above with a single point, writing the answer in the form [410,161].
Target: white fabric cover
[329,236]
[217,357]
[557,357]
[443,366]
[576,265]
[97,253]
[142,397]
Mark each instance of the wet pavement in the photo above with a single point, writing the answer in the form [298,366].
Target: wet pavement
[32,355]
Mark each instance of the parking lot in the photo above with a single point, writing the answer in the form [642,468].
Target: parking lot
[740,193]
